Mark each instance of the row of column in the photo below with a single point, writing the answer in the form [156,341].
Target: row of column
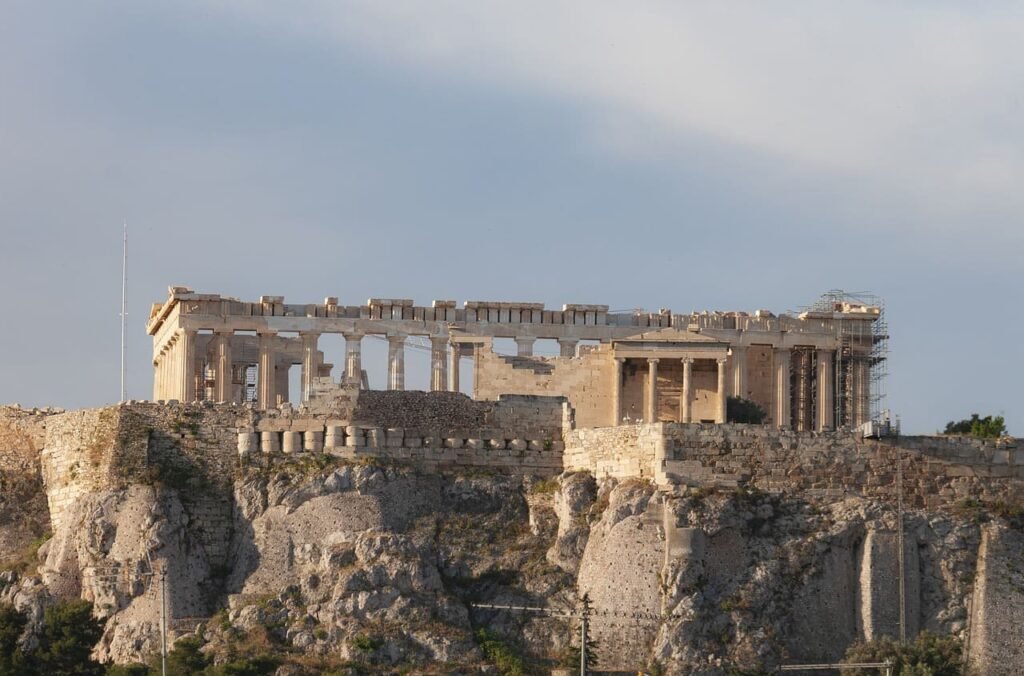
[685,394]
[824,409]
[176,372]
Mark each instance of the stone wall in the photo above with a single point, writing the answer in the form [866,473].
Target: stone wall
[22,500]
[436,430]
[188,448]
[937,470]
[587,381]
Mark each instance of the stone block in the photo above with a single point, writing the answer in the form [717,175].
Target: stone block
[313,441]
[270,442]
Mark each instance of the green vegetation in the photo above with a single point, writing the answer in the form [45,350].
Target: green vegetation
[740,410]
[366,643]
[500,654]
[929,655]
[65,641]
[544,486]
[989,427]
[27,559]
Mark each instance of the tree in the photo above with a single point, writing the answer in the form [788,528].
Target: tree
[740,410]
[66,639]
[185,657]
[989,427]
[12,624]
[929,655]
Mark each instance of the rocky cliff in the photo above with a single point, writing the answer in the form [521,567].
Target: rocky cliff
[329,561]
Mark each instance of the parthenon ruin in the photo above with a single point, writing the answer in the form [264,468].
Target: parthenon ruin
[808,371]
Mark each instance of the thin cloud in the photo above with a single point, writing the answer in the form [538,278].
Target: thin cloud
[921,99]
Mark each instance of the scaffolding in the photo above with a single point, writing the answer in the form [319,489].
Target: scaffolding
[863,354]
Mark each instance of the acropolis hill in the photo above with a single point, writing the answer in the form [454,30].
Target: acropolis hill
[338,511]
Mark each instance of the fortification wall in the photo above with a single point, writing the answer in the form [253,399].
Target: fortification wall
[436,430]
[937,471]
[587,381]
[22,501]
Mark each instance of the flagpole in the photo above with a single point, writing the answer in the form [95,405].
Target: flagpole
[124,310]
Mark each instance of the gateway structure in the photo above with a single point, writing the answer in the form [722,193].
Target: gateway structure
[815,370]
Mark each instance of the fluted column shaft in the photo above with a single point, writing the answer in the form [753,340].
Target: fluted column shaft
[438,364]
[453,371]
[720,409]
[310,362]
[524,346]
[188,359]
[826,412]
[222,378]
[739,372]
[652,391]
[686,393]
[354,358]
[266,388]
[782,388]
[396,362]
[617,392]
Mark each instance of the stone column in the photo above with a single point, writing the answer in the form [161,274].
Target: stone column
[222,390]
[826,413]
[617,392]
[266,394]
[396,362]
[686,393]
[438,364]
[739,371]
[782,404]
[524,346]
[862,390]
[567,347]
[354,358]
[722,401]
[310,363]
[188,358]
[157,370]
[453,372]
[652,391]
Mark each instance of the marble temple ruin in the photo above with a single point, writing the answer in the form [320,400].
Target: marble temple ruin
[814,370]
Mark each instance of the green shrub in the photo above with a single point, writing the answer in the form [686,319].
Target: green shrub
[366,643]
[740,410]
[929,655]
[12,623]
[989,427]
[500,654]
[66,640]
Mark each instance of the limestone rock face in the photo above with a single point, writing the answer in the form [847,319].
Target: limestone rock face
[389,568]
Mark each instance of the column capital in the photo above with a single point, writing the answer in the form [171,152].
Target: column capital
[310,334]
[687,360]
[653,360]
[439,341]
[353,335]
[620,360]
[722,361]
[270,333]
[397,338]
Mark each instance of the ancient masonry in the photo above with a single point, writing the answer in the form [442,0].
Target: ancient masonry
[808,372]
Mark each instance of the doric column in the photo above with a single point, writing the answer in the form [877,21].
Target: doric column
[188,371]
[438,364]
[567,347]
[453,372]
[396,362]
[720,409]
[617,392]
[686,393]
[862,390]
[310,362]
[158,367]
[652,391]
[782,405]
[266,394]
[353,358]
[222,389]
[524,346]
[825,386]
[739,371]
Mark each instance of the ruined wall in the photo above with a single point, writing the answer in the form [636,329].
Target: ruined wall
[517,433]
[22,500]
[188,448]
[587,381]
[937,471]
[996,645]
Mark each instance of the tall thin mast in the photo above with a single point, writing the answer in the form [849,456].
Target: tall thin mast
[124,310]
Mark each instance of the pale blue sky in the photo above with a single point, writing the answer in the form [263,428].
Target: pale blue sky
[690,156]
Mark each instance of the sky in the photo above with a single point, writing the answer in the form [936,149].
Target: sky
[692,156]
